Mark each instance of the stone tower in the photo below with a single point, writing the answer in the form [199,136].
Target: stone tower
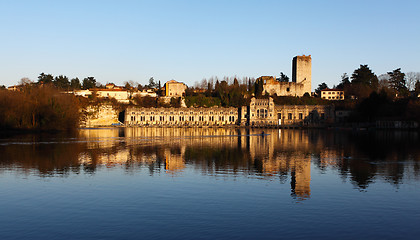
[302,72]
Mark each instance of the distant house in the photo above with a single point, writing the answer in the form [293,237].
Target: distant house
[174,89]
[120,95]
[332,94]
[15,88]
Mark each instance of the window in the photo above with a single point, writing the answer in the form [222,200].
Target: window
[300,116]
[279,115]
[290,116]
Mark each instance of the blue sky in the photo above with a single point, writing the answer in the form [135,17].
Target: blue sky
[118,41]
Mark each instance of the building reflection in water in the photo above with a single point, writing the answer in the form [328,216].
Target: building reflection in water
[288,155]
[213,151]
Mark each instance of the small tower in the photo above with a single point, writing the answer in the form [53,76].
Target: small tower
[302,72]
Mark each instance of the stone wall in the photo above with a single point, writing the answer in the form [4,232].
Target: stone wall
[273,87]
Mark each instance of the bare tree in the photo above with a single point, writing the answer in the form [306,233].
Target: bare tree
[203,83]
[25,81]
[383,81]
[411,79]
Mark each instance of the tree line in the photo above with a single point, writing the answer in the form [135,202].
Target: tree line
[390,96]
[38,108]
[363,82]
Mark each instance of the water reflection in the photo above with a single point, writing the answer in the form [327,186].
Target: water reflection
[287,155]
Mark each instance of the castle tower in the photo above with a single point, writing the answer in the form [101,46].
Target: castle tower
[302,71]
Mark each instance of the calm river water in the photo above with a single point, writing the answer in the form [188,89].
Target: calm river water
[172,183]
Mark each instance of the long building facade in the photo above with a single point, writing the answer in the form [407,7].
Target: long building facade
[260,113]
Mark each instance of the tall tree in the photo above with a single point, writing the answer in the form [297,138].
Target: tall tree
[75,83]
[152,83]
[417,87]
[363,82]
[345,81]
[45,78]
[235,83]
[321,86]
[397,81]
[62,82]
[258,87]
[89,82]
[25,81]
[363,75]
[283,77]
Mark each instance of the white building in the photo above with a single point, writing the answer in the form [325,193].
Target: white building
[332,94]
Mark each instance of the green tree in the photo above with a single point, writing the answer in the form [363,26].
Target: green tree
[45,78]
[75,84]
[175,102]
[258,87]
[345,81]
[417,87]
[397,81]
[222,91]
[235,83]
[363,82]
[89,82]
[321,86]
[363,75]
[152,83]
[283,77]
[62,82]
